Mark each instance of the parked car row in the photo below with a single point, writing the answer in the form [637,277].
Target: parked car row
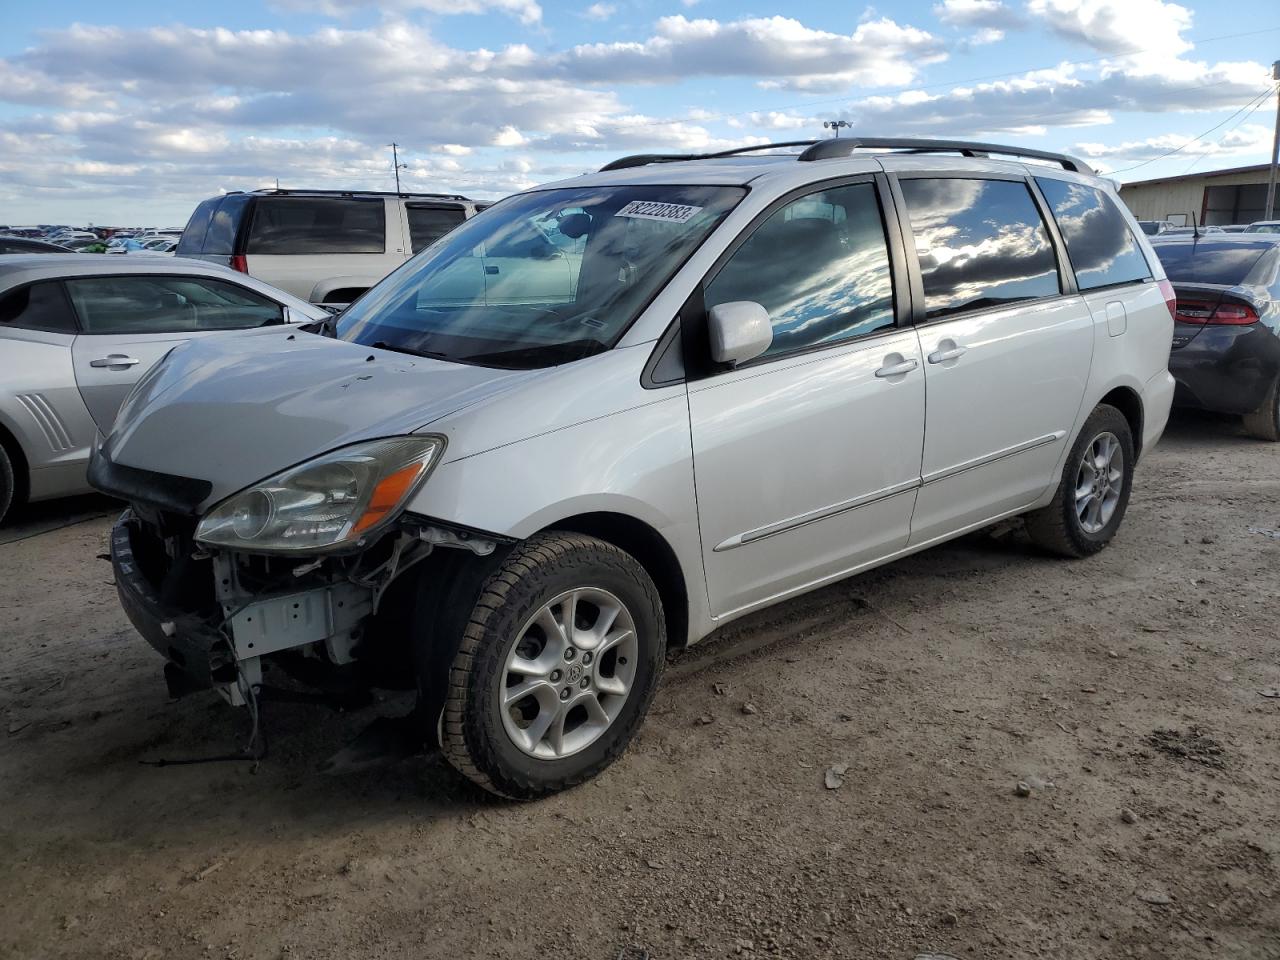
[1159,228]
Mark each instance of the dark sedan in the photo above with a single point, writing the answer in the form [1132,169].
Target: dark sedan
[10,244]
[1226,341]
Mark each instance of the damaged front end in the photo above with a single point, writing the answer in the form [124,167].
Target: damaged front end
[293,570]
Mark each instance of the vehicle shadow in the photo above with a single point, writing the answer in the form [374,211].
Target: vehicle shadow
[33,519]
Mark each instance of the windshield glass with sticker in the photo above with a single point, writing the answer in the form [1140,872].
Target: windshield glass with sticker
[541,278]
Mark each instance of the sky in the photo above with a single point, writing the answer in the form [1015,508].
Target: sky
[129,113]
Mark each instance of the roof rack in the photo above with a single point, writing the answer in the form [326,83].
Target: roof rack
[644,159]
[844,146]
[282,192]
[835,147]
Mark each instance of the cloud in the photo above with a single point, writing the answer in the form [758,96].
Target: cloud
[976,13]
[526,11]
[777,51]
[600,11]
[1250,138]
[1118,27]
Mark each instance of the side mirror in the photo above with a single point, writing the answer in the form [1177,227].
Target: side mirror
[739,330]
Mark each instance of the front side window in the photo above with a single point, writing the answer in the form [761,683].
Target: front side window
[545,278]
[1100,245]
[37,306]
[143,304]
[819,265]
[981,243]
[309,225]
[429,224]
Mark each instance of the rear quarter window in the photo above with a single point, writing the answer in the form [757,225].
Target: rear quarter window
[192,240]
[310,225]
[1101,247]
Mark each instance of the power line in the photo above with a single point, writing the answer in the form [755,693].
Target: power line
[1258,99]
[1239,123]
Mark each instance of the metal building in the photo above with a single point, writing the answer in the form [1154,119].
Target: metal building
[1237,195]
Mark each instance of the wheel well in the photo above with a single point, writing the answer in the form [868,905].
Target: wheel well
[1129,403]
[343,294]
[655,555]
[21,472]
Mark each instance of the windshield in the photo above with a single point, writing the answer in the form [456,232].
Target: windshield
[1209,262]
[541,278]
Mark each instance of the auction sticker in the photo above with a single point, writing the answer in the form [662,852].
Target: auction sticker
[652,210]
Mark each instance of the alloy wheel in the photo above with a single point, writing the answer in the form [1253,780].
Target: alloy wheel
[569,673]
[1099,482]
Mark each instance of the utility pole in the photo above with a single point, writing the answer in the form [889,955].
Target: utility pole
[834,125]
[1275,148]
[395,162]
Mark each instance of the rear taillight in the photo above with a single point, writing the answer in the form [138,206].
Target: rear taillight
[1170,298]
[1196,311]
[239,264]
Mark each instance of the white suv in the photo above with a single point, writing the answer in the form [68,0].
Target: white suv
[769,372]
[326,246]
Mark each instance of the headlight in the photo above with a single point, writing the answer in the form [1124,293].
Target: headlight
[328,502]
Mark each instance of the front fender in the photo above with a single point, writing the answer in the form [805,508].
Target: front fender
[637,463]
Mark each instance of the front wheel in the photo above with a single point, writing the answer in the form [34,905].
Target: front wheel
[1094,489]
[557,667]
[7,483]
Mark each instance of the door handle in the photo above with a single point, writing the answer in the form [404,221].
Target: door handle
[947,350]
[115,360]
[897,368]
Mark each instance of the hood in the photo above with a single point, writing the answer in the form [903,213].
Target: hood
[234,410]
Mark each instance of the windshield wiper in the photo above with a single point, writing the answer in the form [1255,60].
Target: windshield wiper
[395,348]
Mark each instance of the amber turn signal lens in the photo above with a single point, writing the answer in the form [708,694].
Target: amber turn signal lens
[387,495]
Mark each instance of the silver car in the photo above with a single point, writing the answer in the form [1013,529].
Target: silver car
[77,331]
[514,494]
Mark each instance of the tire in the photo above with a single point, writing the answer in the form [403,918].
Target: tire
[7,483]
[1264,423]
[1060,527]
[505,649]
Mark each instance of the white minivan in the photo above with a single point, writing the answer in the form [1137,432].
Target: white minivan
[771,370]
[325,246]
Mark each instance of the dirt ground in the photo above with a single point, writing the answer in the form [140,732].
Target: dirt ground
[1136,695]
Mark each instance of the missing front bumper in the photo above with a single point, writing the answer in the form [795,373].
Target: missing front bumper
[221,646]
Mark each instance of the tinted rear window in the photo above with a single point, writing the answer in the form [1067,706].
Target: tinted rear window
[302,225]
[429,224]
[1209,262]
[192,240]
[981,243]
[221,238]
[1100,245]
[40,306]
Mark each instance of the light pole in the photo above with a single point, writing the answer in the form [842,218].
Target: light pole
[834,125]
[396,165]
[1275,148]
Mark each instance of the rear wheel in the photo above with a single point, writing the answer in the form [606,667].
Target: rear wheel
[1264,423]
[6,483]
[1094,490]
[557,667]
